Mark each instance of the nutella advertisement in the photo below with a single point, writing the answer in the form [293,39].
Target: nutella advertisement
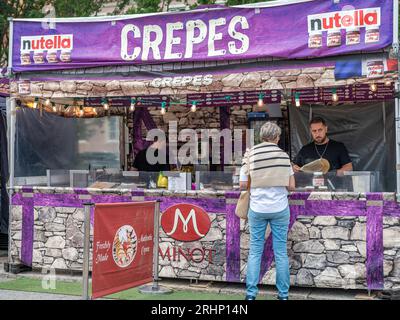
[303,30]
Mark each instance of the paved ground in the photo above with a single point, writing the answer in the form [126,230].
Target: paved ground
[296,293]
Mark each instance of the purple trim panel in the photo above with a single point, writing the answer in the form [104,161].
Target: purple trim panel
[374,212]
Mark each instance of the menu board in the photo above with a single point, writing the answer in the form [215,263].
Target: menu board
[233,98]
[148,101]
[349,93]
[383,92]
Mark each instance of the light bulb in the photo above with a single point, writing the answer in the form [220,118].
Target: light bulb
[163,111]
[54,108]
[132,107]
[47,102]
[388,83]
[193,107]
[81,112]
[297,99]
[335,97]
[35,103]
[373,87]
[260,102]
[104,102]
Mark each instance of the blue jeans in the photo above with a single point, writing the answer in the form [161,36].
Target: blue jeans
[279,222]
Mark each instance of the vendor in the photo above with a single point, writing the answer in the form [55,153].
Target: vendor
[145,159]
[323,147]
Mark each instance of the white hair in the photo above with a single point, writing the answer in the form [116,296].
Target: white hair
[270,132]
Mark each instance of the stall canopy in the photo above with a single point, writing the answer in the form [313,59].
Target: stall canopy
[298,30]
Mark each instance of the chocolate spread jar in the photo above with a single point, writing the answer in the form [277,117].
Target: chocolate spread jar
[65,56]
[375,69]
[25,58]
[51,56]
[315,40]
[353,36]
[334,38]
[371,34]
[38,57]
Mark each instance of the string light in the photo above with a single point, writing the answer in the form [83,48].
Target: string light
[335,97]
[133,103]
[260,102]
[105,104]
[193,107]
[297,99]
[373,87]
[35,103]
[163,108]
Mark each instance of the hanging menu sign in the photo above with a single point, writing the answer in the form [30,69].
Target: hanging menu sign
[382,92]
[350,93]
[233,98]
[145,101]
[344,94]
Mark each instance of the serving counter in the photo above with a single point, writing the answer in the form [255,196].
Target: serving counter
[336,240]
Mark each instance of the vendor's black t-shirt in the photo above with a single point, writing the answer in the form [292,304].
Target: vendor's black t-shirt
[336,153]
[141,163]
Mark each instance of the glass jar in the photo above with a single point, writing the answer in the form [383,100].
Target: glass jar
[371,34]
[25,58]
[318,180]
[375,69]
[334,38]
[315,39]
[65,56]
[51,56]
[353,36]
[38,57]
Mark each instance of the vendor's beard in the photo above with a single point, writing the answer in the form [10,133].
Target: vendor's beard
[322,141]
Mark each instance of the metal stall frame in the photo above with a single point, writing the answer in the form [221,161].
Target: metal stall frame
[395,46]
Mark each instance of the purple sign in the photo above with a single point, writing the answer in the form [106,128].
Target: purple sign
[301,30]
[233,98]
[358,92]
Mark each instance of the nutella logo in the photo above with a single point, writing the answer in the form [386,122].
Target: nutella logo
[345,19]
[50,42]
[185,222]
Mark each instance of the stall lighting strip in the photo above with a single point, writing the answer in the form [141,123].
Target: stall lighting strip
[81,110]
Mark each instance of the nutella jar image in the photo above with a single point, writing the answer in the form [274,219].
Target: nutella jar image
[375,69]
[51,56]
[334,38]
[25,58]
[38,57]
[65,56]
[315,39]
[353,36]
[371,34]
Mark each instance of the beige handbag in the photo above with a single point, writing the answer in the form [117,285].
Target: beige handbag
[242,206]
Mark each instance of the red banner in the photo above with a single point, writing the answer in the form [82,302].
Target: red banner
[123,242]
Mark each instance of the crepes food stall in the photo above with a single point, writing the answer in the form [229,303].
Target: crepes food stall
[81,110]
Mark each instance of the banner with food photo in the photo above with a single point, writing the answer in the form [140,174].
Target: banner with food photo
[123,242]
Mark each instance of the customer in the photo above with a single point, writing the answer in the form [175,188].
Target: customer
[271,176]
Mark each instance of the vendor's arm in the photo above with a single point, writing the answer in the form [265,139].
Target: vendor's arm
[346,167]
[298,161]
[345,161]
